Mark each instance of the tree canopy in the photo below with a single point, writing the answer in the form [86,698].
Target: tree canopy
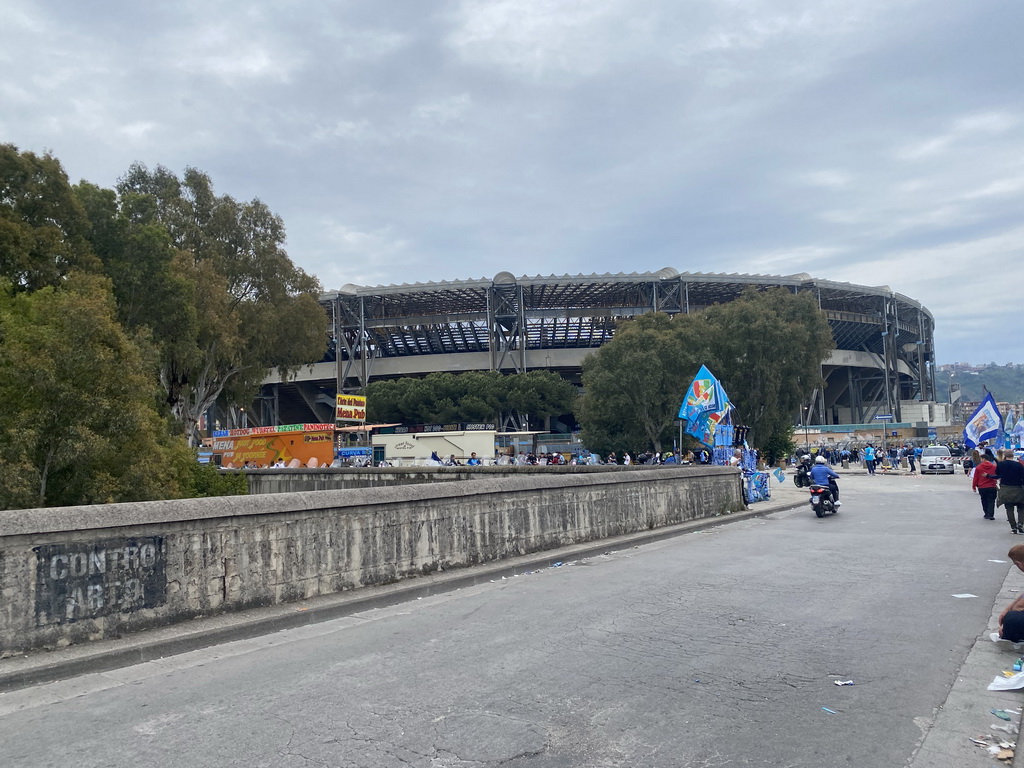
[79,424]
[766,348]
[210,278]
[634,383]
[124,314]
[443,398]
[42,225]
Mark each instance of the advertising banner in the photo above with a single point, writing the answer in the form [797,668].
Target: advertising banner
[351,408]
[305,445]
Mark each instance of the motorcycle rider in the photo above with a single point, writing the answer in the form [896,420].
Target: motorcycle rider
[803,471]
[823,474]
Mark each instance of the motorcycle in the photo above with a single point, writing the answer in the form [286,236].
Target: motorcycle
[821,500]
[802,478]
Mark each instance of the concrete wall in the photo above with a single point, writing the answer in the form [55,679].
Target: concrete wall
[327,478]
[75,574]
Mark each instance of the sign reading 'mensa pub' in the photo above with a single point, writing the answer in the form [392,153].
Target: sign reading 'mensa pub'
[351,408]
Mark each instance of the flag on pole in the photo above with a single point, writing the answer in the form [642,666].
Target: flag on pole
[1006,433]
[704,407]
[701,396]
[984,423]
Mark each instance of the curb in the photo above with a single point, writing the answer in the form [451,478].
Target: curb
[47,666]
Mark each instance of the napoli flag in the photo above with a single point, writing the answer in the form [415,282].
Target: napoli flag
[701,395]
[984,423]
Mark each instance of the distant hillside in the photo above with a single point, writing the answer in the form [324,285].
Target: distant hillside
[1005,382]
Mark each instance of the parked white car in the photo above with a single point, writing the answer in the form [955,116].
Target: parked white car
[936,460]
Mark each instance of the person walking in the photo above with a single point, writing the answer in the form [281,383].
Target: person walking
[970,461]
[1011,488]
[985,485]
[869,458]
[911,459]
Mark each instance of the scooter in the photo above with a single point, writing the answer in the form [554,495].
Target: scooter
[821,500]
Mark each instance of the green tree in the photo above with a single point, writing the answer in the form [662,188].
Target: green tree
[42,225]
[538,395]
[210,277]
[442,398]
[79,423]
[151,278]
[766,348]
[634,383]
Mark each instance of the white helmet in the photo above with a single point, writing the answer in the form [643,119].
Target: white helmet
[820,460]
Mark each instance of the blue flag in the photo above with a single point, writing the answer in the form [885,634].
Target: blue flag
[701,396]
[984,423]
[704,407]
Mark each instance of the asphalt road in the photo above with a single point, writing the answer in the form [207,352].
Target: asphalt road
[716,648]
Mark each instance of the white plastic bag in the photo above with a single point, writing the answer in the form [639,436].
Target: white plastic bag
[1007,683]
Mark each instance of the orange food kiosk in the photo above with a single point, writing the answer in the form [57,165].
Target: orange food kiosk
[296,445]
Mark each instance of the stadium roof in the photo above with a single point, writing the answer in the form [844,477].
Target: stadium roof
[595,289]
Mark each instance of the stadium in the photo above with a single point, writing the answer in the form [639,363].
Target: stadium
[884,357]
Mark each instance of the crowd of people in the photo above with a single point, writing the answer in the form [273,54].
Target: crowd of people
[579,458]
[998,479]
[869,456]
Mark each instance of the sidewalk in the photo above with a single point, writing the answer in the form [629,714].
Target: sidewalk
[966,713]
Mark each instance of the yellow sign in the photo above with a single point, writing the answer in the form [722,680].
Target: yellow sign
[351,408]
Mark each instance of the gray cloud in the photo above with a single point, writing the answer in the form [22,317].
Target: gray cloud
[873,142]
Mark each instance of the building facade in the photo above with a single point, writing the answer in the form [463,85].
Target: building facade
[884,356]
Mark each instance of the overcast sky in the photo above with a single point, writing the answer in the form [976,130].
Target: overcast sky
[411,140]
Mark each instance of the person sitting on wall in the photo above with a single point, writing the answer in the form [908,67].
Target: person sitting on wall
[1011,620]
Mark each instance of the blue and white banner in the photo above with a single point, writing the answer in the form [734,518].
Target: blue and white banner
[704,407]
[984,423]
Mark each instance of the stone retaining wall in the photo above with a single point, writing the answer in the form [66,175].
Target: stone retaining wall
[330,478]
[75,574]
